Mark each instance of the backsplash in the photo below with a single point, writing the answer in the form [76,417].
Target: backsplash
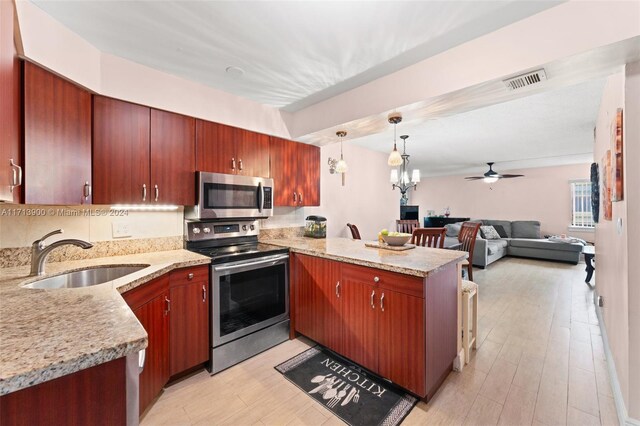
[284,217]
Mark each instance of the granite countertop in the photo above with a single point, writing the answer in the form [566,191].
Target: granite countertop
[419,261]
[46,334]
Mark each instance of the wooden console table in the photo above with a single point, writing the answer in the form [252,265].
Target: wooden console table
[439,222]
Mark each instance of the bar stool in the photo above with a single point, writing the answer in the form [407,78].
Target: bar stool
[469,333]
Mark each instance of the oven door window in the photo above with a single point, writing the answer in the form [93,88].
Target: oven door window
[251,297]
[225,196]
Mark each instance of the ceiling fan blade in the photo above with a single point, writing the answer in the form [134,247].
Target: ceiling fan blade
[474,177]
[510,176]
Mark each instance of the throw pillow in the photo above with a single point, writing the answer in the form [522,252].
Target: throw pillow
[453,229]
[489,233]
[500,230]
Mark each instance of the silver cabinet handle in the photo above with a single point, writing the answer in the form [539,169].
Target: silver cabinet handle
[338,290]
[168,302]
[157,190]
[204,293]
[17,175]
[87,190]
[376,279]
[373,293]
[190,276]
[240,164]
[295,197]
[144,192]
[382,302]
[300,198]
[233,163]
[142,356]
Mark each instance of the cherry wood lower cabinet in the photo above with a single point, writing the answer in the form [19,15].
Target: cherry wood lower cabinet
[94,396]
[189,295]
[401,327]
[174,310]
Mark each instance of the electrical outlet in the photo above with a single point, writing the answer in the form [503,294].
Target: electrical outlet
[120,229]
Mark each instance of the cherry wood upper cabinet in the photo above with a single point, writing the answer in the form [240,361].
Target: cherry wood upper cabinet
[10,109]
[57,139]
[295,169]
[173,158]
[226,149]
[120,152]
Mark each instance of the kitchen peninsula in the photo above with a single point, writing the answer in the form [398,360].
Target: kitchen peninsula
[393,312]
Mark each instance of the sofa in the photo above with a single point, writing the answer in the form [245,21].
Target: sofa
[522,239]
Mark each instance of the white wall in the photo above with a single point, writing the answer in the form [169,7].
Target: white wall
[543,194]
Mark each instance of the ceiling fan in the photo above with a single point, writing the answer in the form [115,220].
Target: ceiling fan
[491,176]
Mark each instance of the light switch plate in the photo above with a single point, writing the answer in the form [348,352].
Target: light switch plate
[120,229]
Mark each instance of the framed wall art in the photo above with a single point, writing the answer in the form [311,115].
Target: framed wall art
[605,188]
[617,163]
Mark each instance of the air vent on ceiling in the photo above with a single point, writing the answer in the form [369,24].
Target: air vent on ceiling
[524,80]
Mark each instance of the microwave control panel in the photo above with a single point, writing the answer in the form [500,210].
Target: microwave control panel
[268,197]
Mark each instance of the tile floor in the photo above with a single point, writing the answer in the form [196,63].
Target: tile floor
[540,360]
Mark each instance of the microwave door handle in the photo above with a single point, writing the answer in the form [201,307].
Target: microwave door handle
[260,197]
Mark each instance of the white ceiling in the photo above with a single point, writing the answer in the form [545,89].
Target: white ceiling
[550,128]
[294,53]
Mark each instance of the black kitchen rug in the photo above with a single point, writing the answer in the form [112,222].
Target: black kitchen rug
[355,395]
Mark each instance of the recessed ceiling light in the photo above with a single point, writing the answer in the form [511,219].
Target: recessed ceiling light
[235,72]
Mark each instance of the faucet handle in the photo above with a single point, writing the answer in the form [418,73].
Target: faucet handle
[41,240]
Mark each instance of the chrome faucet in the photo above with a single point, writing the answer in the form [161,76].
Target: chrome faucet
[40,251]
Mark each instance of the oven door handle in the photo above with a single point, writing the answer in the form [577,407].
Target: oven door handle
[260,197]
[267,261]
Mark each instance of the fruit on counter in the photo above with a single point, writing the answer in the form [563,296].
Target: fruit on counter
[384,232]
[397,234]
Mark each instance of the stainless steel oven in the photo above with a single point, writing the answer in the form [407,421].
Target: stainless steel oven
[249,289]
[223,196]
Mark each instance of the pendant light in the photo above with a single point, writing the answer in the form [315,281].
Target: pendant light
[395,159]
[341,165]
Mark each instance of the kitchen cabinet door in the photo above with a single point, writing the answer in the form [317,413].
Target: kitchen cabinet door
[120,152]
[360,318]
[318,313]
[10,109]
[173,158]
[154,317]
[308,175]
[252,153]
[284,171]
[189,320]
[215,147]
[395,362]
[57,139]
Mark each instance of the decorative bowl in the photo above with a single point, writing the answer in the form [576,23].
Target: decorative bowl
[397,240]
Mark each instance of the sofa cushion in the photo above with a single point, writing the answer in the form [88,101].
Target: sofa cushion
[488,232]
[544,244]
[525,229]
[500,230]
[494,246]
[453,229]
[504,223]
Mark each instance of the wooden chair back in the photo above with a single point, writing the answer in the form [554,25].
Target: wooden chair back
[407,226]
[354,231]
[429,237]
[467,237]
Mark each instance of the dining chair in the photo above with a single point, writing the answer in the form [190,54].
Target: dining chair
[407,226]
[467,238]
[354,231]
[429,237]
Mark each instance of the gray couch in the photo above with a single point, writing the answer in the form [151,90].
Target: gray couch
[523,240]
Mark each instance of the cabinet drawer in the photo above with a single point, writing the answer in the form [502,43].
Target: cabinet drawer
[407,284]
[146,292]
[189,275]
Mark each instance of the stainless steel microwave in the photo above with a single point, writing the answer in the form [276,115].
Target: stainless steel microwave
[222,196]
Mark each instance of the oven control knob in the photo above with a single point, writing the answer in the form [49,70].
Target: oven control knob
[196,230]
[252,227]
[244,227]
[206,230]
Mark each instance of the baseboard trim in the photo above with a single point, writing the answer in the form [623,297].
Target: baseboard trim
[621,409]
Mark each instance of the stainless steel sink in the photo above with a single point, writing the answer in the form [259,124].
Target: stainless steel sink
[85,277]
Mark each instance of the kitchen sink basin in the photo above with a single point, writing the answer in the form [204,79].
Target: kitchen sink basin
[85,277]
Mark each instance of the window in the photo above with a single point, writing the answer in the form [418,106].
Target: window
[581,215]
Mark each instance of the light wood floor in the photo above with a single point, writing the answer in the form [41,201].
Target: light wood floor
[540,361]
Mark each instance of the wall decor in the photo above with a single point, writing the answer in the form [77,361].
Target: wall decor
[605,189]
[595,192]
[617,184]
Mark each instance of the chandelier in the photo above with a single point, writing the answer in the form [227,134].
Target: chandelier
[400,177]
